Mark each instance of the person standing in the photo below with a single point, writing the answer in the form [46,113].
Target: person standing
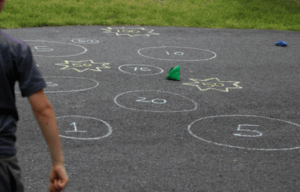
[17,64]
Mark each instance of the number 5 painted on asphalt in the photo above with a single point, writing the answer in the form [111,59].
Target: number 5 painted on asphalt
[257,133]
[43,48]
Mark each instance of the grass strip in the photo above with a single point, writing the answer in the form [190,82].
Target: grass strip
[238,14]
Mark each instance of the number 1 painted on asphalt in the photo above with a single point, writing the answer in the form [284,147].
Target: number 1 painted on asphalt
[75,128]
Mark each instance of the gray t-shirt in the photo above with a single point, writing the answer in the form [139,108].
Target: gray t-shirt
[16,64]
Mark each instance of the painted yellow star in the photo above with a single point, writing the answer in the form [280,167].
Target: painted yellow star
[82,66]
[214,83]
[131,32]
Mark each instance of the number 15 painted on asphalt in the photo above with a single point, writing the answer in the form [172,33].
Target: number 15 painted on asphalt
[141,69]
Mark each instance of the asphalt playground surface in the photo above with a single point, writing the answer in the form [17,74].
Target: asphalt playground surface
[230,124]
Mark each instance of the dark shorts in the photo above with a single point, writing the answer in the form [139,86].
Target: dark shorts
[10,175]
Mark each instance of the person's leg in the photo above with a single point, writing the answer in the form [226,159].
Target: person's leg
[2,2]
[10,175]
[4,176]
[15,172]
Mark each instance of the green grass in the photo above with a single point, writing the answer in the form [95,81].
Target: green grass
[239,14]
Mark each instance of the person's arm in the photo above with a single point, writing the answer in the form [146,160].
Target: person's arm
[45,117]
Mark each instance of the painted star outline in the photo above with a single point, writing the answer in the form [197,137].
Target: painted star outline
[109,30]
[68,65]
[213,83]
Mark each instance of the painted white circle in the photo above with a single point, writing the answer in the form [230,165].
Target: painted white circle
[155,101]
[62,84]
[247,132]
[139,69]
[177,53]
[54,49]
[59,84]
[82,127]
[85,41]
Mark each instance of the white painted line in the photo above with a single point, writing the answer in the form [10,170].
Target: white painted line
[238,147]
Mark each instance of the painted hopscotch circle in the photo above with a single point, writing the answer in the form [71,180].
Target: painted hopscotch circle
[62,84]
[85,41]
[139,69]
[247,132]
[83,128]
[173,53]
[54,49]
[155,101]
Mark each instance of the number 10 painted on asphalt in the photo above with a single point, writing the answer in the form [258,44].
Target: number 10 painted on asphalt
[141,69]
[175,53]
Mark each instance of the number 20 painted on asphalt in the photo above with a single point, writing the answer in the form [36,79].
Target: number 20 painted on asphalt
[155,101]
[257,133]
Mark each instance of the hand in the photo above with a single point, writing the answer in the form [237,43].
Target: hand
[58,178]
